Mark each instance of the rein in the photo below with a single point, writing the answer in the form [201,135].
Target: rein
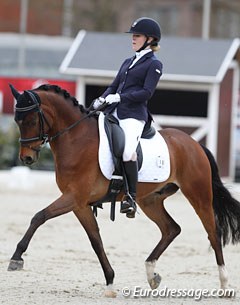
[44,137]
[61,132]
[90,114]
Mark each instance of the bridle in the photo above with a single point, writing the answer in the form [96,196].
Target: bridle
[43,136]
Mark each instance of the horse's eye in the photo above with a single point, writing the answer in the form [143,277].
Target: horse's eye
[29,123]
[19,122]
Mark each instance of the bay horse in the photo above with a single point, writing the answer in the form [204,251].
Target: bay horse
[49,114]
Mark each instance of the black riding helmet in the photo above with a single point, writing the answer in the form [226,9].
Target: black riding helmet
[148,27]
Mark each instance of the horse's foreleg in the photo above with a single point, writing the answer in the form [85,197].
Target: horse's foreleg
[88,221]
[62,205]
[153,207]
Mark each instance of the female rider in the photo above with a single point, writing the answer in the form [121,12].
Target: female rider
[128,95]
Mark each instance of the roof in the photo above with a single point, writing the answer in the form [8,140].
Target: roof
[43,54]
[184,59]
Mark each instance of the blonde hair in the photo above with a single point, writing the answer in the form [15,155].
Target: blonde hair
[155,48]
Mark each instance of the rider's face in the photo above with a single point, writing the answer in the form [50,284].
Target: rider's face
[138,41]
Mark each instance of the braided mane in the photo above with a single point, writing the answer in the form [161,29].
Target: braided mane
[63,92]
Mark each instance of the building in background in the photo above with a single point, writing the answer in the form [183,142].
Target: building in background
[197,94]
[36,35]
[67,17]
[43,56]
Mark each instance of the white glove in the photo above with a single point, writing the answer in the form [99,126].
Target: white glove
[98,102]
[113,98]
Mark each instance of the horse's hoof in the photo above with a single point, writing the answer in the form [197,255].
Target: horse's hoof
[155,281]
[15,265]
[110,292]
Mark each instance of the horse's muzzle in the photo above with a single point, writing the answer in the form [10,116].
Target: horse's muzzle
[27,160]
[29,154]
[28,157]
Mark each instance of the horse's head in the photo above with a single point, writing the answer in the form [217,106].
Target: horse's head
[31,122]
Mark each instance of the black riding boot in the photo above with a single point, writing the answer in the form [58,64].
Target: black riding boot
[129,206]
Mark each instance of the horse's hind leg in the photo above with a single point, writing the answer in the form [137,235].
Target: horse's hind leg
[201,200]
[62,205]
[153,207]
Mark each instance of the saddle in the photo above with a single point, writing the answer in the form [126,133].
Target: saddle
[116,139]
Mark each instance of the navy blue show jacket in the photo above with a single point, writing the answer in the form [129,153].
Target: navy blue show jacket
[135,86]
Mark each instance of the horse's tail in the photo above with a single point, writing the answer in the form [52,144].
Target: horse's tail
[226,208]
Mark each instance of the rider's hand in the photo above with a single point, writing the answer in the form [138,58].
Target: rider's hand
[98,102]
[113,98]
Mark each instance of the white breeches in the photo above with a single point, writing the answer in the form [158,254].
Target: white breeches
[133,130]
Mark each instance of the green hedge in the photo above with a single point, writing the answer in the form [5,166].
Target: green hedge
[9,151]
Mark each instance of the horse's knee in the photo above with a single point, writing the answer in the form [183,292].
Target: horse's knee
[39,218]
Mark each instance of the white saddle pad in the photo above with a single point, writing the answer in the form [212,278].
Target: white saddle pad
[156,160]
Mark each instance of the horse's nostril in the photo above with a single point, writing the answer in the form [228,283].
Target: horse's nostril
[27,160]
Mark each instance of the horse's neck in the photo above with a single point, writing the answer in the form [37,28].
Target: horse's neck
[65,115]
[62,113]
[69,139]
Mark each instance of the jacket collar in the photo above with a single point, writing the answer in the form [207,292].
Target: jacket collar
[142,53]
[143,58]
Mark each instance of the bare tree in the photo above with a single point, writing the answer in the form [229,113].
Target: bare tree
[95,15]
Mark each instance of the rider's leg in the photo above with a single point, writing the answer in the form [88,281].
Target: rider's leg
[129,205]
[133,129]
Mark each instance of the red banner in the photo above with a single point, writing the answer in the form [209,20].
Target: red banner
[21,84]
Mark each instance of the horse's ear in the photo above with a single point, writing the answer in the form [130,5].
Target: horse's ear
[27,95]
[15,93]
[32,96]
